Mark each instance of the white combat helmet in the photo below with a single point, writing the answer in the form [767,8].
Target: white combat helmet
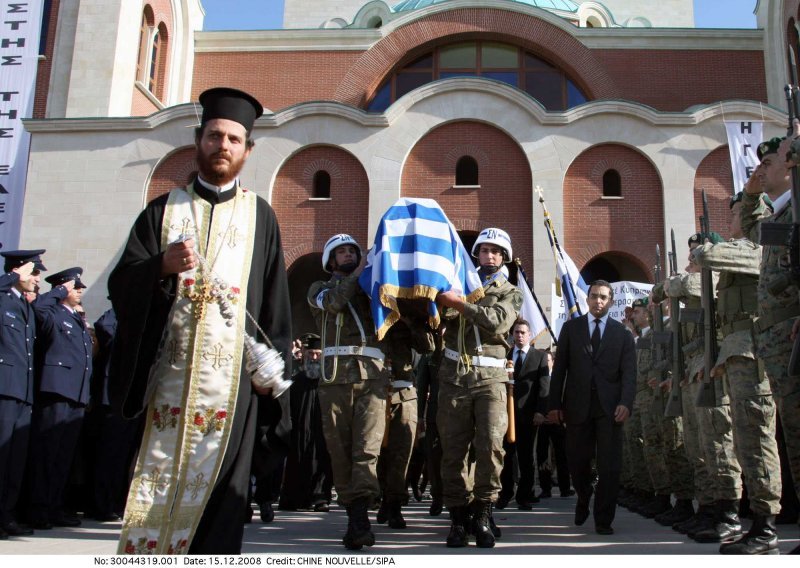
[497,237]
[334,242]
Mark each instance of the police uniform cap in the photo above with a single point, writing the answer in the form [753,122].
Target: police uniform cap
[768,147]
[17,258]
[640,302]
[230,104]
[73,273]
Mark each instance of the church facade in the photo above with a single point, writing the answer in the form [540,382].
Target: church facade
[614,110]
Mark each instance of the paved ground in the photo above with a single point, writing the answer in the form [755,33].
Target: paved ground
[548,529]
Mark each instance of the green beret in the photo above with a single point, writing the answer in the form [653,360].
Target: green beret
[699,238]
[737,198]
[641,302]
[768,147]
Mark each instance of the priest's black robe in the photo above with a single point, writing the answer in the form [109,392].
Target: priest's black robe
[142,301]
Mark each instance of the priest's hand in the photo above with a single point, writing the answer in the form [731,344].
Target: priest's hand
[179,257]
[621,413]
[555,416]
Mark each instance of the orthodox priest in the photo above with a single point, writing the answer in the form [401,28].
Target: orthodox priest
[178,356]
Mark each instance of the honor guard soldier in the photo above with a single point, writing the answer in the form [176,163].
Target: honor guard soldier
[63,372]
[352,390]
[472,391]
[21,276]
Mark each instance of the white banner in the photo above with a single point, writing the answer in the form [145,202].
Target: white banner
[625,293]
[20,23]
[743,140]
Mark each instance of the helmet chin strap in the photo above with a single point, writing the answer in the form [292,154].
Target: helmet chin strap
[347,268]
[488,269]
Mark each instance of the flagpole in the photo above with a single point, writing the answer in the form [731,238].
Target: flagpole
[521,270]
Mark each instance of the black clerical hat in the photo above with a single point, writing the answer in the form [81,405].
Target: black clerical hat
[310,340]
[16,258]
[231,104]
[67,275]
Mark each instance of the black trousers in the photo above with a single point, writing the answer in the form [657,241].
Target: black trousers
[599,436]
[15,426]
[56,430]
[523,451]
[555,434]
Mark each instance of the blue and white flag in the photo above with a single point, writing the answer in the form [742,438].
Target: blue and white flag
[531,310]
[569,282]
[416,255]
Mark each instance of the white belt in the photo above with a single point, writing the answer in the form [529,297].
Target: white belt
[373,352]
[479,361]
[397,385]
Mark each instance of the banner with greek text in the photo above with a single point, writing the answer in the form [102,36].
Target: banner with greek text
[743,140]
[19,57]
[625,292]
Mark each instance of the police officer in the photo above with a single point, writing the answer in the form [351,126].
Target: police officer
[352,390]
[21,276]
[63,372]
[472,394]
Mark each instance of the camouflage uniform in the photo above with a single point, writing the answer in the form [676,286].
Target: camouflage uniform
[651,428]
[396,452]
[752,408]
[778,307]
[352,391]
[680,475]
[472,394]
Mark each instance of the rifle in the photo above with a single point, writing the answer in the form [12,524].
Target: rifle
[675,403]
[707,397]
[659,340]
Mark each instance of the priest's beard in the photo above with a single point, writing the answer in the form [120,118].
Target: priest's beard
[312,369]
[218,173]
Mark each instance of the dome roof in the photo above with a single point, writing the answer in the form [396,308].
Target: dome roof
[563,5]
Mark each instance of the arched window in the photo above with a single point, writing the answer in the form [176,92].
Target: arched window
[148,23]
[497,61]
[155,49]
[322,185]
[466,171]
[612,184]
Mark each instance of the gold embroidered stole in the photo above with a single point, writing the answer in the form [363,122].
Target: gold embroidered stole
[197,371]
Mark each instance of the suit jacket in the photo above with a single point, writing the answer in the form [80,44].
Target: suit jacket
[612,368]
[528,398]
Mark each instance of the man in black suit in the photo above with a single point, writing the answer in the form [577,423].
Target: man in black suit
[530,370]
[591,391]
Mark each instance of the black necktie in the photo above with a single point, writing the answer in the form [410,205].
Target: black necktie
[596,337]
[518,363]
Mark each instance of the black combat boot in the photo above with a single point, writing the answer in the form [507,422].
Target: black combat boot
[481,510]
[726,527]
[436,507]
[703,518]
[659,504]
[396,520]
[640,500]
[459,518]
[762,538]
[383,513]
[681,511]
[359,530]
[546,483]
[492,525]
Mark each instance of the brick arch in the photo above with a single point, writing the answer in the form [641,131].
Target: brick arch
[176,170]
[536,35]
[630,226]
[715,176]
[306,225]
[504,198]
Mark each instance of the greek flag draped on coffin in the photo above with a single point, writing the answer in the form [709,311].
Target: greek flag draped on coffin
[416,255]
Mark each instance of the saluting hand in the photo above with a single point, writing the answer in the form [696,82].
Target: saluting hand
[24,271]
[179,257]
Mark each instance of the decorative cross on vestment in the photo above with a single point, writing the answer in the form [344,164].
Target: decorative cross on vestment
[217,357]
[202,296]
[197,485]
[232,237]
[154,482]
[186,227]
[175,352]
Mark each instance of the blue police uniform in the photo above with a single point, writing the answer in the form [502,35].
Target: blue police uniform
[17,335]
[63,372]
